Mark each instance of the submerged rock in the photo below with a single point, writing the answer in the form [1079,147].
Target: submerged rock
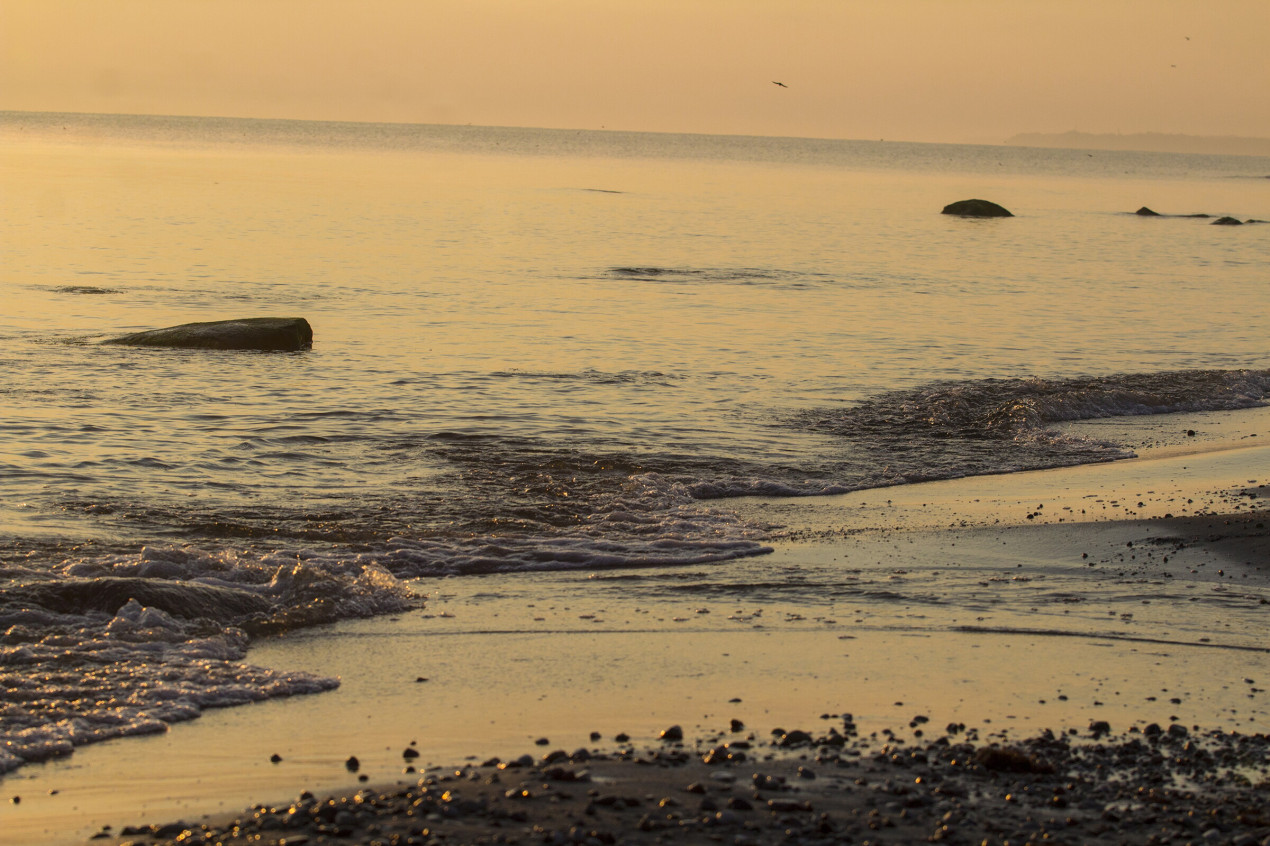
[265,334]
[1227,221]
[976,208]
[1146,212]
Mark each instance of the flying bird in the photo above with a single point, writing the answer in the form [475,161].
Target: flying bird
[781,84]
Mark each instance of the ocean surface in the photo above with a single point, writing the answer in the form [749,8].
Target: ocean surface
[535,350]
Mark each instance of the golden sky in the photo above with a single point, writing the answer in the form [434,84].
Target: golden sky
[922,70]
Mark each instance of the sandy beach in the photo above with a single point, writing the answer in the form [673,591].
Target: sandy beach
[1098,589]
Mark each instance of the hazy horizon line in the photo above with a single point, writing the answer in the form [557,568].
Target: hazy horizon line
[1011,141]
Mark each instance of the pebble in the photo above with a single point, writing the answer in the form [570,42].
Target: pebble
[1150,786]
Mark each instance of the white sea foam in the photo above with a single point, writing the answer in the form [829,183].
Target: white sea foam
[72,673]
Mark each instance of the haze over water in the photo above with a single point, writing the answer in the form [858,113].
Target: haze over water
[544,349]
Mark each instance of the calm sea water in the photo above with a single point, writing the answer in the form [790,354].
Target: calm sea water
[535,349]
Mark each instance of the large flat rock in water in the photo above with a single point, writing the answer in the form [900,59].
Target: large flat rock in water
[269,334]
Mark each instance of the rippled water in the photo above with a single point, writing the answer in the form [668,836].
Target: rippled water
[543,349]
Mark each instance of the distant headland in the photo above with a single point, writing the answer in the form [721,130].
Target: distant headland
[1155,142]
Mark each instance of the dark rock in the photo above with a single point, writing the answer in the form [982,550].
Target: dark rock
[265,334]
[1011,760]
[674,734]
[737,726]
[1146,212]
[976,208]
[1227,221]
[409,753]
[352,764]
[797,737]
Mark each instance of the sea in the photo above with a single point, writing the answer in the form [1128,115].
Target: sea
[536,350]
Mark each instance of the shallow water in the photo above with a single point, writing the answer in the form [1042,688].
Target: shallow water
[541,350]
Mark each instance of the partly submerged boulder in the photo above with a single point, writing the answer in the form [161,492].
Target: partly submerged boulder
[1227,221]
[976,208]
[269,334]
[1146,212]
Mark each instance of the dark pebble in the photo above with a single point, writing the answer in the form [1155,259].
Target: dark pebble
[352,764]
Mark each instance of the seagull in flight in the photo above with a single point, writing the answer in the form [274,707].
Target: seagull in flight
[781,84]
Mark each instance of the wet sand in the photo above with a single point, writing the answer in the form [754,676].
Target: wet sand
[1087,578]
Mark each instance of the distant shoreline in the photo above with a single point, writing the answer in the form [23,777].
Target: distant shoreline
[1152,142]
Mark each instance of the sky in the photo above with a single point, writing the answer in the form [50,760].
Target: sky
[918,70]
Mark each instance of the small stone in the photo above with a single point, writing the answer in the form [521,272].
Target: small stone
[622,737]
[352,764]
[408,753]
[542,741]
[275,758]
[797,737]
[737,726]
[726,818]
[674,734]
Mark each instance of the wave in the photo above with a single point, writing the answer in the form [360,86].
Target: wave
[121,645]
[771,277]
[954,429]
[1009,407]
